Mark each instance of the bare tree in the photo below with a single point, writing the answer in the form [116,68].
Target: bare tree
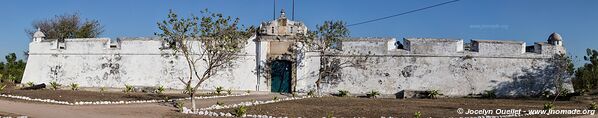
[210,42]
[67,26]
[562,68]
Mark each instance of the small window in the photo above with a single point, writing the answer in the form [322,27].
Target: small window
[113,46]
[530,49]
[272,30]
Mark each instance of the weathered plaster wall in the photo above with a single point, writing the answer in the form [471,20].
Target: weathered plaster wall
[425,64]
[136,61]
[507,70]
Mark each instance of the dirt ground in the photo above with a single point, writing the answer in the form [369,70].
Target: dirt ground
[6,114]
[364,107]
[311,107]
[75,96]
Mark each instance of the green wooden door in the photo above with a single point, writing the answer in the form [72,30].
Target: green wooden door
[281,77]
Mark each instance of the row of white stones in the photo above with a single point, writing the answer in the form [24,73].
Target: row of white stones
[204,111]
[107,102]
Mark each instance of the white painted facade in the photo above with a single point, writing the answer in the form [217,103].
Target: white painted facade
[423,64]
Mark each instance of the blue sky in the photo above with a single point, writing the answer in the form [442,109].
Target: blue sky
[527,20]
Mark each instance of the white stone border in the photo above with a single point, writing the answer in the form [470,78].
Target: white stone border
[108,102]
[205,111]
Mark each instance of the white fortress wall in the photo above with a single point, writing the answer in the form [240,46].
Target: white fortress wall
[441,64]
[134,61]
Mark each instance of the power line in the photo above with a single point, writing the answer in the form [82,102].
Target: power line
[428,7]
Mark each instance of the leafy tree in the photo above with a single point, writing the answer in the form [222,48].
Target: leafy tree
[12,70]
[327,41]
[211,42]
[586,76]
[67,26]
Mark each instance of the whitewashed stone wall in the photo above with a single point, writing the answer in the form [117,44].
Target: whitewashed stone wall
[454,72]
[424,64]
[135,61]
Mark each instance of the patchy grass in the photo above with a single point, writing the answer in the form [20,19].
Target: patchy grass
[362,107]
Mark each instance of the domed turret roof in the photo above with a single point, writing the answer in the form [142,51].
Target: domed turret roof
[38,34]
[555,37]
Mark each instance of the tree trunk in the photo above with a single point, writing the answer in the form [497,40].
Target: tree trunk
[193,101]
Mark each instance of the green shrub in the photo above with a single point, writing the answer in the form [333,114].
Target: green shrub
[343,93]
[54,85]
[593,106]
[219,103]
[29,84]
[311,92]
[417,114]
[179,105]
[128,88]
[160,89]
[74,86]
[330,115]
[102,89]
[2,86]
[240,111]
[548,106]
[229,92]
[489,94]
[275,98]
[219,90]
[248,91]
[294,94]
[433,94]
[372,94]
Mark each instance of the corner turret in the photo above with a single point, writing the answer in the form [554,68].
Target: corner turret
[38,36]
[555,39]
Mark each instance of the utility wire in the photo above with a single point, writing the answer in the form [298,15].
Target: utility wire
[377,19]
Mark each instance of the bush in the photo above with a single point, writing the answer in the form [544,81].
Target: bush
[311,92]
[54,85]
[275,98]
[248,91]
[240,111]
[102,89]
[330,115]
[548,106]
[128,88]
[593,106]
[160,89]
[2,86]
[229,92]
[372,94]
[219,90]
[417,114]
[179,105]
[489,94]
[343,93]
[30,84]
[74,86]
[433,94]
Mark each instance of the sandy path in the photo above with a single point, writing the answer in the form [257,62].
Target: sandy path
[40,110]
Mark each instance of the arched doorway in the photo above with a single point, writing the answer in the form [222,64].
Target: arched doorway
[281,76]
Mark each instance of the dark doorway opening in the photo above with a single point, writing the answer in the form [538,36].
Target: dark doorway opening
[281,76]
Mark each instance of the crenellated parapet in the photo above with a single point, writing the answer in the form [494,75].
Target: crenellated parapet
[452,47]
